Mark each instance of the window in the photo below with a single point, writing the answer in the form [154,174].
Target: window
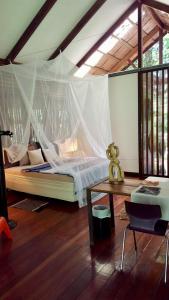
[108,44]
[82,71]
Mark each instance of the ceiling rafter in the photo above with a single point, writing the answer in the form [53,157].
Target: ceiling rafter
[30,29]
[78,27]
[157,5]
[132,63]
[155,17]
[108,33]
[160,46]
[166,27]
[140,34]
[134,52]
[3,61]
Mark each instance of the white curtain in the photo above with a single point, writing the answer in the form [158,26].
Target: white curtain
[45,100]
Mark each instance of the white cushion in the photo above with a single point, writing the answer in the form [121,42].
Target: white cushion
[155,178]
[13,152]
[35,157]
[24,160]
[50,155]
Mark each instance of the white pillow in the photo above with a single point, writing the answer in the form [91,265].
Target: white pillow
[50,156]
[35,157]
[24,160]
[13,152]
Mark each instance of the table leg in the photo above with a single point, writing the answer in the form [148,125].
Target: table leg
[90,217]
[111,203]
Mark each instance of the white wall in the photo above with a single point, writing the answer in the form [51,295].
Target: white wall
[123,92]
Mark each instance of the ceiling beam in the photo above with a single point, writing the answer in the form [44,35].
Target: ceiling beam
[156,18]
[3,62]
[157,5]
[30,29]
[160,46]
[132,63]
[134,52]
[166,27]
[140,35]
[108,33]
[78,27]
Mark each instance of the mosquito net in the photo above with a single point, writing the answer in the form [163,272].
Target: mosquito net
[43,101]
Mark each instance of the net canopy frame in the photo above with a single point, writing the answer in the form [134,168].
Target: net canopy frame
[43,101]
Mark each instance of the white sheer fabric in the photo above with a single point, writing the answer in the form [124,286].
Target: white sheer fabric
[45,100]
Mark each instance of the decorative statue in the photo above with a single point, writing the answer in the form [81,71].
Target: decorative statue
[116,174]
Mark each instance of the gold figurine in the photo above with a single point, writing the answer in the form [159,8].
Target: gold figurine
[116,174]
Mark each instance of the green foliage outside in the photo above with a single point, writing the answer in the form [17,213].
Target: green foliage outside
[166,49]
[151,56]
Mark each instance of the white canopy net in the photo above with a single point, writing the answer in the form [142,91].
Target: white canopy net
[43,101]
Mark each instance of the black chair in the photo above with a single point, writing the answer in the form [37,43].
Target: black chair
[145,218]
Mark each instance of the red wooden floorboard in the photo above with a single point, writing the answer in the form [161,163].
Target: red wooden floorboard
[50,258]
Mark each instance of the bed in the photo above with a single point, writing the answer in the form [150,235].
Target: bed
[47,185]
[62,185]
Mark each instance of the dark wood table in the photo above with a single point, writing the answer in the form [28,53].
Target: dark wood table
[125,188]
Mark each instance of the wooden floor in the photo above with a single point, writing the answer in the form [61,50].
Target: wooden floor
[50,258]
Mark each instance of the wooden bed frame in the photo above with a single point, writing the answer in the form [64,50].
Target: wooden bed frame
[47,185]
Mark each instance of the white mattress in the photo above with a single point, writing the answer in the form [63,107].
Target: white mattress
[70,184]
[48,185]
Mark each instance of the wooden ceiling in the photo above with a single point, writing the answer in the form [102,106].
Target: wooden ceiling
[155,24]
[125,52]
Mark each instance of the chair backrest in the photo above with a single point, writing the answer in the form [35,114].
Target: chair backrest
[143,216]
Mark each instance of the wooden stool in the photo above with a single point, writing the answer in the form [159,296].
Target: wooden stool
[5,228]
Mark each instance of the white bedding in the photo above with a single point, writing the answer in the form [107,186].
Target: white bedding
[53,186]
[85,171]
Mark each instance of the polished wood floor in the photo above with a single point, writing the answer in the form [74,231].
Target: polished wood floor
[50,258]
